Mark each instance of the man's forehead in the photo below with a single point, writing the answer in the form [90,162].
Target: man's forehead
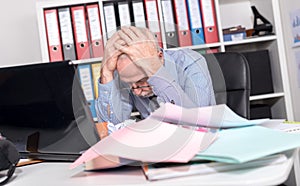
[129,72]
[143,80]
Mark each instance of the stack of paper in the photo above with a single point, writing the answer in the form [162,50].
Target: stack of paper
[237,148]
[244,144]
[148,141]
[280,124]
[153,140]
[169,170]
[218,116]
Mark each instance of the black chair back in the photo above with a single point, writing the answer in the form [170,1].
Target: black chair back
[231,80]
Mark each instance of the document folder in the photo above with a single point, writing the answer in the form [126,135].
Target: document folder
[66,31]
[86,79]
[110,19]
[124,13]
[182,23]
[139,13]
[95,30]
[209,21]
[244,144]
[96,67]
[153,19]
[53,35]
[169,24]
[195,20]
[80,32]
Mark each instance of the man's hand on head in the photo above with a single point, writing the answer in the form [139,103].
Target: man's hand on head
[141,47]
[109,62]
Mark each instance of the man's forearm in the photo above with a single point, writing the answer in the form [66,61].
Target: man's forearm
[109,105]
[106,76]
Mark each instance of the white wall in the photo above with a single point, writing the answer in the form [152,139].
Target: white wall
[19,33]
[286,7]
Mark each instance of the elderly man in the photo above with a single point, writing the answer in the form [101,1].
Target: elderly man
[136,73]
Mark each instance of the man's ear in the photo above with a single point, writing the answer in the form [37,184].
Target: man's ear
[160,54]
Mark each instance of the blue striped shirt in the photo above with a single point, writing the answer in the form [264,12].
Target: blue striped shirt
[184,80]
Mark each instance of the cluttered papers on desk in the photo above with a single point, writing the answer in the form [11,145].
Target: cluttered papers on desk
[217,116]
[161,137]
[170,170]
[239,145]
[283,125]
[149,140]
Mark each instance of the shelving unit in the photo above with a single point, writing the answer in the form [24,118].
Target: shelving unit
[84,61]
[238,12]
[251,40]
[229,13]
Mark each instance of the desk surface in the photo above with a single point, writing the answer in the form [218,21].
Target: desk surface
[58,174]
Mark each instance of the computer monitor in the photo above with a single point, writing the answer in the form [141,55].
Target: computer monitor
[43,111]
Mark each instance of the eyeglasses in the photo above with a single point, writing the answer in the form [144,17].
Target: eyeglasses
[140,87]
[148,87]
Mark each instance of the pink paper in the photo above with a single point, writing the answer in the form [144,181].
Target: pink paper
[216,116]
[179,115]
[149,141]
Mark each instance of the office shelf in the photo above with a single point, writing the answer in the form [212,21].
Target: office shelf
[238,12]
[229,13]
[87,61]
[251,40]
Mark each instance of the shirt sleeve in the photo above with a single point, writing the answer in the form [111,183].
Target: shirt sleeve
[168,90]
[191,88]
[113,103]
[199,84]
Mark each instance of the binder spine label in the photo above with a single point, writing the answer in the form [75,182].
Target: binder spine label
[66,27]
[182,15]
[124,14]
[152,14]
[110,20]
[86,82]
[52,28]
[168,16]
[94,23]
[195,14]
[80,26]
[208,13]
[139,17]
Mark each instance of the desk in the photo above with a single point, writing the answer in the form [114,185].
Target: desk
[44,174]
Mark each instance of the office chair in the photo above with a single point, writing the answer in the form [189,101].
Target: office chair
[231,80]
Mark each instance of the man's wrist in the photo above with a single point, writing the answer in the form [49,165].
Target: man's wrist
[106,77]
